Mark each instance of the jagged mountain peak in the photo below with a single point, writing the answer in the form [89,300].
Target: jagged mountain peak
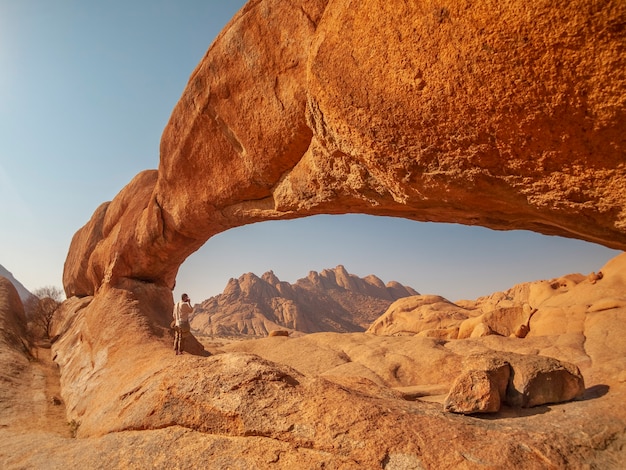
[332,300]
[270,278]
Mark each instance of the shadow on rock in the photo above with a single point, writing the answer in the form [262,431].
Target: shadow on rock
[195,347]
[596,391]
[507,412]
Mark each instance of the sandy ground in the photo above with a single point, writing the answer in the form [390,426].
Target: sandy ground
[32,397]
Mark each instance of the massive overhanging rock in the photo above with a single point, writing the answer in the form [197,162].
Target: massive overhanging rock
[505,114]
[508,114]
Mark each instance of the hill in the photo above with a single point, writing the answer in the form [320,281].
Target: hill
[21,290]
[333,300]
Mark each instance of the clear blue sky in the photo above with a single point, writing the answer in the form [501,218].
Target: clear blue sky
[86,88]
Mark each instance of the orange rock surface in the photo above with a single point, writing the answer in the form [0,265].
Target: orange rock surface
[333,300]
[507,114]
[504,114]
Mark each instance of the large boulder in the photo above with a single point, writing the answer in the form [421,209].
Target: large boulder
[419,314]
[475,391]
[537,380]
[517,380]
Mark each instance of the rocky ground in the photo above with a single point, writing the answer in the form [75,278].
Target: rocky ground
[324,400]
[36,434]
[364,110]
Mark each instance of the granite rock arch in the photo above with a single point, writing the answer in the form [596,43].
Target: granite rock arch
[504,114]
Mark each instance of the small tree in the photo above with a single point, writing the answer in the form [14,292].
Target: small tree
[40,308]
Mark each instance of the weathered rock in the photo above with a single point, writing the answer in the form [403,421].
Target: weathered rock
[440,333]
[518,380]
[541,380]
[502,321]
[521,331]
[474,391]
[333,300]
[508,115]
[415,314]
[497,367]
[12,317]
[23,293]
[481,387]
[595,277]
[482,329]
[464,113]
[278,333]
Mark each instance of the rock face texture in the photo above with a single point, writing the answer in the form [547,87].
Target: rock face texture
[429,315]
[506,114]
[522,381]
[501,114]
[564,306]
[12,317]
[14,358]
[333,300]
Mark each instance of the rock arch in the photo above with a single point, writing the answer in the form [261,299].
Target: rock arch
[504,114]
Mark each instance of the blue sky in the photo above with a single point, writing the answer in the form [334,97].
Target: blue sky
[86,88]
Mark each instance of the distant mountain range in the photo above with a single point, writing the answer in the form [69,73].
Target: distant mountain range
[21,290]
[333,300]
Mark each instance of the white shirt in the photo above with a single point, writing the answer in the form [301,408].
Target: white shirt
[181,312]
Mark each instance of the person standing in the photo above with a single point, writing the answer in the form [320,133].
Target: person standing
[181,328]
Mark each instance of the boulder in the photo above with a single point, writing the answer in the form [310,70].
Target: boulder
[518,380]
[538,380]
[501,321]
[481,387]
[474,391]
[420,313]
[480,330]
[12,317]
